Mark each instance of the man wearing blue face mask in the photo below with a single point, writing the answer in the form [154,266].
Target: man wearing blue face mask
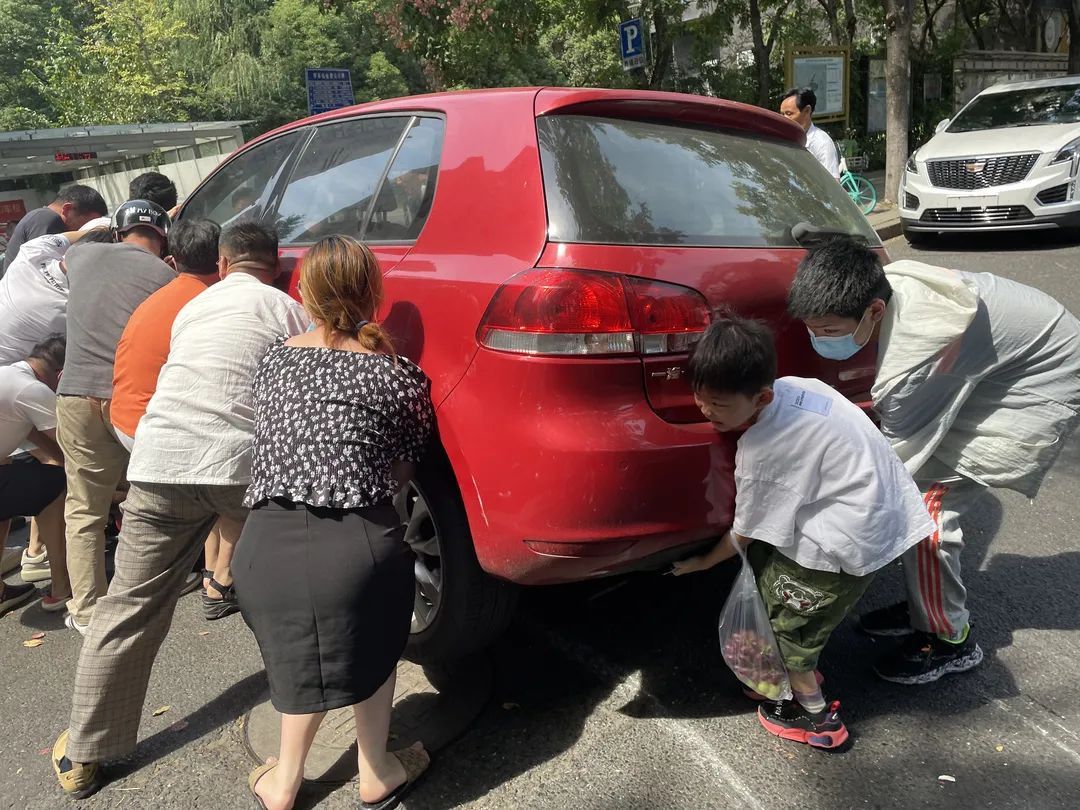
[977,385]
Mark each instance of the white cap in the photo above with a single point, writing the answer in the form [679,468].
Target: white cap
[100,222]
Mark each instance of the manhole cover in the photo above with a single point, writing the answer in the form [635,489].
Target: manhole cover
[421,712]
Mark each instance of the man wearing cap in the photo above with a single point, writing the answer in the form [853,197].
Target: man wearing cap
[107,282]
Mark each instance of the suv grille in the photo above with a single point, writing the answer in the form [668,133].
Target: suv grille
[977,216]
[982,172]
[1057,194]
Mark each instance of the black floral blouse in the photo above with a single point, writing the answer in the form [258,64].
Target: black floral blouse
[329,424]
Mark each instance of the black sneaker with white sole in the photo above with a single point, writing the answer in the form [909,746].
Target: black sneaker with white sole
[887,622]
[924,658]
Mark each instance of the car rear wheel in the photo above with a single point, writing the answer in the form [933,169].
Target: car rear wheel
[458,608]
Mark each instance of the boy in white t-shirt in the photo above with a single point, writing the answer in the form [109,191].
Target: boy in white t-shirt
[820,488]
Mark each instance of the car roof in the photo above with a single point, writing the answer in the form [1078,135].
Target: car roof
[1007,87]
[616,103]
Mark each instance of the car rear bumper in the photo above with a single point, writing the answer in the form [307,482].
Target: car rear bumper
[1046,198]
[567,473]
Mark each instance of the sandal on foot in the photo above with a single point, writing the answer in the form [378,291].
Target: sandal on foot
[415,761]
[255,776]
[227,605]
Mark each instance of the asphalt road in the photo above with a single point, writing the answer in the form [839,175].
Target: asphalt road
[614,695]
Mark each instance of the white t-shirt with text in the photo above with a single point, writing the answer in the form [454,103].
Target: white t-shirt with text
[33,297]
[815,478]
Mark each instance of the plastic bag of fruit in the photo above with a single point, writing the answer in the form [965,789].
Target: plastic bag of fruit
[747,640]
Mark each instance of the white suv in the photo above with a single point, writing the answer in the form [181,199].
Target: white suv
[1007,161]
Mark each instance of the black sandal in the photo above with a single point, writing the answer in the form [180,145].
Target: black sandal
[227,605]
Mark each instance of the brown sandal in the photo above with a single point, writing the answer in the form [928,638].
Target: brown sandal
[255,776]
[415,761]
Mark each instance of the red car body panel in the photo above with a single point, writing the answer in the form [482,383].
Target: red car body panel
[566,467]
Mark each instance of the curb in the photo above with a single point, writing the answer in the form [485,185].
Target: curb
[886,224]
[889,230]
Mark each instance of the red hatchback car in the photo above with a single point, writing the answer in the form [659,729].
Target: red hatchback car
[551,255]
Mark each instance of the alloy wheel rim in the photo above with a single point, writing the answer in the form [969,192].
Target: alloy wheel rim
[422,535]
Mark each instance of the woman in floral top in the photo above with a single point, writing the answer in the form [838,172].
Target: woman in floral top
[323,574]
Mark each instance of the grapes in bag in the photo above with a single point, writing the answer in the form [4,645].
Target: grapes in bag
[747,640]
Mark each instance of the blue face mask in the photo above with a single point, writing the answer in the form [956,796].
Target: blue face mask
[839,347]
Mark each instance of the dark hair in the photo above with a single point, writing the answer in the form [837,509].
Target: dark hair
[193,244]
[51,350]
[734,356]
[841,277]
[155,187]
[100,235]
[85,199]
[804,97]
[250,241]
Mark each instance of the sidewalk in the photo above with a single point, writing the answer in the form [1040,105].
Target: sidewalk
[885,219]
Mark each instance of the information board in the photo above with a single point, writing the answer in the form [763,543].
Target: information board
[328,89]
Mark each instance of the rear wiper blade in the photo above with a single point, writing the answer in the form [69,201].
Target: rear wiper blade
[807,235]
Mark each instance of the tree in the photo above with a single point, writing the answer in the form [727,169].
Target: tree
[765,36]
[1073,13]
[841,34]
[897,91]
[120,69]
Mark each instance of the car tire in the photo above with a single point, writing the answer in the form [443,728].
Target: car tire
[459,608]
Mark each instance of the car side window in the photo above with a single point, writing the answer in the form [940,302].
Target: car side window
[241,187]
[404,201]
[332,187]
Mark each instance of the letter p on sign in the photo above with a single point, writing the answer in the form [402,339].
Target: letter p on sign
[632,43]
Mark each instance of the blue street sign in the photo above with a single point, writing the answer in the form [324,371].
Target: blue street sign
[328,89]
[632,43]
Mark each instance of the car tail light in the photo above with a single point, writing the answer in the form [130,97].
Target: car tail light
[550,311]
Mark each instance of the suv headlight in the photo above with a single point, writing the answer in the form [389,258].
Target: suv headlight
[912,166]
[1068,152]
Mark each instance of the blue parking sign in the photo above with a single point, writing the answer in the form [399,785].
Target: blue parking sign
[328,89]
[632,43]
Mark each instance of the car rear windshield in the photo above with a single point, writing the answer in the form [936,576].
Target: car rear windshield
[615,181]
[1020,108]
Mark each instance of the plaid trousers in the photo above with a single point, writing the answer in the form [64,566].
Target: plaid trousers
[164,527]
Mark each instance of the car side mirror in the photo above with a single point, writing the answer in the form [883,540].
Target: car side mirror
[944,122]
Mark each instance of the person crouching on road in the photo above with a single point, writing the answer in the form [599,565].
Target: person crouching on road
[340,420]
[191,462]
[28,414]
[978,384]
[822,494]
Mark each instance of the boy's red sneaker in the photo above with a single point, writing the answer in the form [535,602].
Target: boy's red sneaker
[790,721]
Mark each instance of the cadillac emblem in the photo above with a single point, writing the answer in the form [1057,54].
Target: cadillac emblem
[975,167]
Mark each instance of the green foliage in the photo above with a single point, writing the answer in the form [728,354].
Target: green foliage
[119,69]
[118,61]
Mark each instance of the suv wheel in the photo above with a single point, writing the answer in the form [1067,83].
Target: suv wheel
[459,609]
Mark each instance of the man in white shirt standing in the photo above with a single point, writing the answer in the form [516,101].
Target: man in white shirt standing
[191,463]
[798,105]
[28,416]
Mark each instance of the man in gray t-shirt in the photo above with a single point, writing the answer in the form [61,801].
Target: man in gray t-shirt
[106,282]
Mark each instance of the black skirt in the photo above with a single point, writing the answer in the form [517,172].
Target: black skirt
[328,594]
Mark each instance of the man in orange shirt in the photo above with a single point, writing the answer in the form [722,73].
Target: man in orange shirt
[143,349]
